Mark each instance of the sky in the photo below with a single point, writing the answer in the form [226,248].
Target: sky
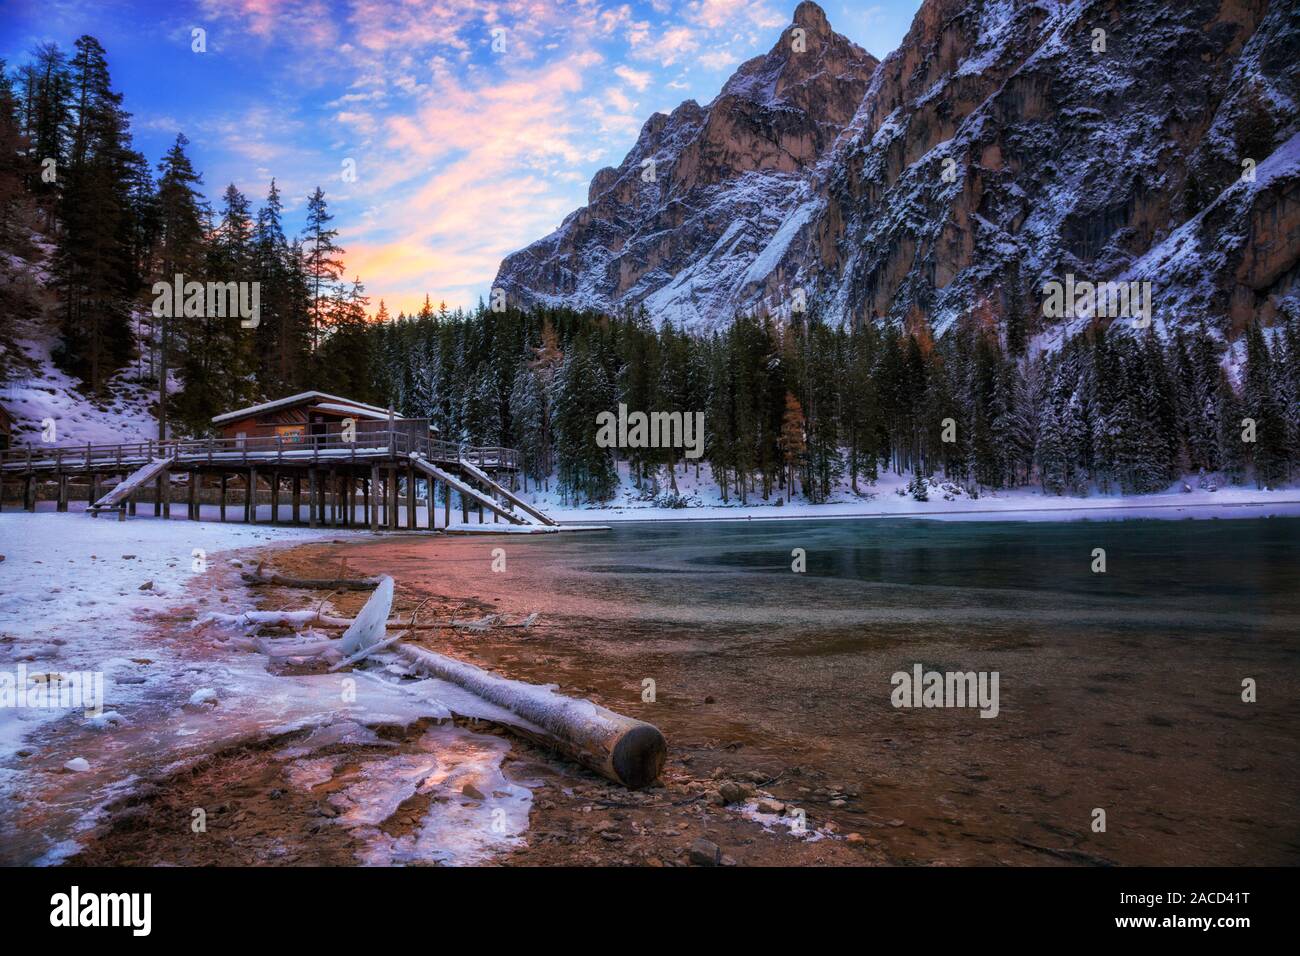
[446,134]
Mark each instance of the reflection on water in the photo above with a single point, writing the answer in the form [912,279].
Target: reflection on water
[1119,691]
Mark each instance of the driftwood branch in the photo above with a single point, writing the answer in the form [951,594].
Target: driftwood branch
[366,652]
[260,577]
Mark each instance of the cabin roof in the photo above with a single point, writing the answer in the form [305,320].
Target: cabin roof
[339,404]
[361,411]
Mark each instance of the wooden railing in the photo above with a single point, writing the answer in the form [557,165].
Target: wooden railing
[332,446]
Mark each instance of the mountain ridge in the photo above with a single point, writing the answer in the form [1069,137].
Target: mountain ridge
[1061,158]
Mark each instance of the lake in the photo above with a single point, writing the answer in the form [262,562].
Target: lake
[1118,691]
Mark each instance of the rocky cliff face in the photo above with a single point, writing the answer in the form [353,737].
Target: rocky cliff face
[680,221]
[1004,144]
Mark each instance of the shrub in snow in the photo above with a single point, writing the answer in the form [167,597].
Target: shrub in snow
[669,499]
[919,487]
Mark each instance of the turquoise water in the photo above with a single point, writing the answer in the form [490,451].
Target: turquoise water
[1119,691]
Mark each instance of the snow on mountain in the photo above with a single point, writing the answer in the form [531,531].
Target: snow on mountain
[1004,144]
[705,191]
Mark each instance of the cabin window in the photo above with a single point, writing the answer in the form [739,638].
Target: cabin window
[239,439]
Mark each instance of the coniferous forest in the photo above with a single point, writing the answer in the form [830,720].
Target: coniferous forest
[792,408]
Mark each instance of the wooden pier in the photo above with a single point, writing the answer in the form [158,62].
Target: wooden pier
[335,478]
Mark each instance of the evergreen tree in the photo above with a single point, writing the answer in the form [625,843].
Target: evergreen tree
[180,248]
[321,259]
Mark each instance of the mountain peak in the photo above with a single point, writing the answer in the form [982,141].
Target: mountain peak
[724,176]
[811,17]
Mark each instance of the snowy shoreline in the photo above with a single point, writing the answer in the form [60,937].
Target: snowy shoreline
[1114,512]
[888,498]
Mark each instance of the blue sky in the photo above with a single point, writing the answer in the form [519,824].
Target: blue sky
[462,152]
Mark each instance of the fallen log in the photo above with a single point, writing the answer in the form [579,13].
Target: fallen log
[259,577]
[627,751]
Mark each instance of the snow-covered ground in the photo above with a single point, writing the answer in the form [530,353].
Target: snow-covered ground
[47,402]
[888,497]
[73,599]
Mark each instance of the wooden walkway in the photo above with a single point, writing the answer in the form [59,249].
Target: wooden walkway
[377,474]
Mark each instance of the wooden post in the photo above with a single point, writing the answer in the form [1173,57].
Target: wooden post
[252,496]
[372,498]
[275,497]
[365,504]
[130,505]
[297,498]
[157,496]
[428,497]
[29,493]
[63,492]
[480,512]
[392,497]
[311,497]
[167,494]
[223,496]
[121,511]
[194,496]
[334,497]
[446,505]
[411,524]
[320,498]
[94,487]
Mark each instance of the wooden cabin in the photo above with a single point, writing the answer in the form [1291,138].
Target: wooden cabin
[295,418]
[6,429]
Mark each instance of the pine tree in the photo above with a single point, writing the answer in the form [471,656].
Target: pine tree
[1262,404]
[793,441]
[97,274]
[580,392]
[322,260]
[180,247]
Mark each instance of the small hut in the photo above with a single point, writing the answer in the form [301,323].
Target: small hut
[299,417]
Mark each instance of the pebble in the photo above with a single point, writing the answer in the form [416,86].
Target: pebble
[77,765]
[705,853]
[732,792]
